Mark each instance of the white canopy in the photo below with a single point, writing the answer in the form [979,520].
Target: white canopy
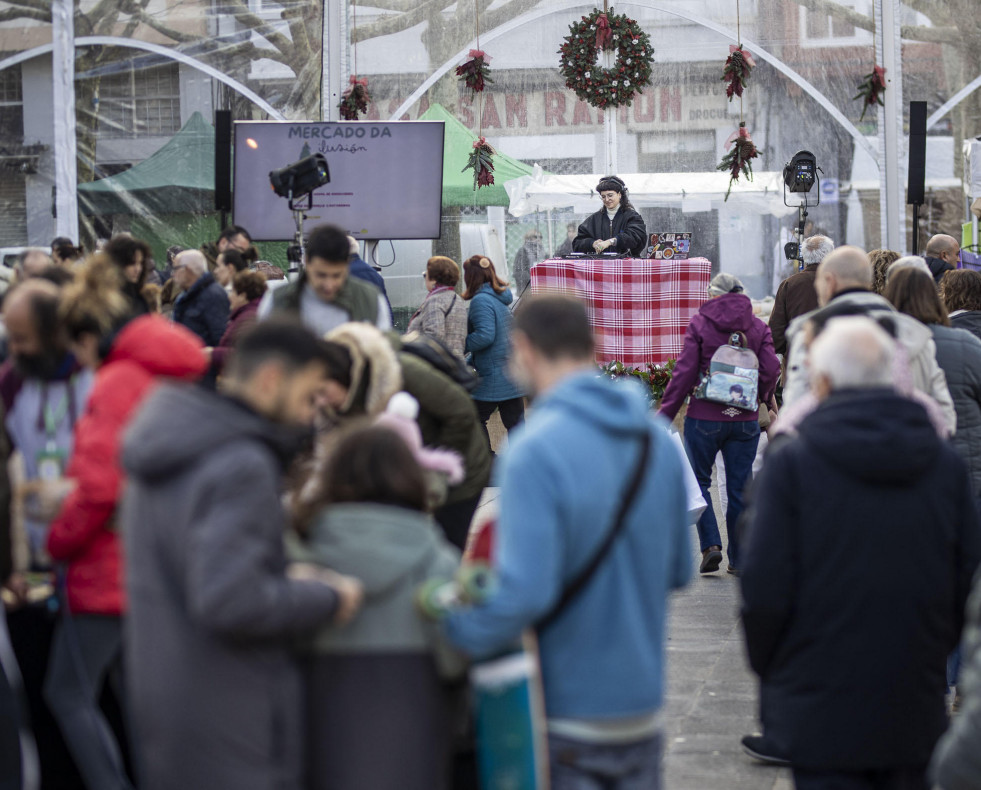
[692,192]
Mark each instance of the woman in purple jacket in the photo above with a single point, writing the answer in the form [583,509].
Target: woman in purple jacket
[710,427]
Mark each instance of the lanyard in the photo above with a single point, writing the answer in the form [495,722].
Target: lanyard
[52,417]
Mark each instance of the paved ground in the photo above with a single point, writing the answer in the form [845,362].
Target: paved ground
[711,693]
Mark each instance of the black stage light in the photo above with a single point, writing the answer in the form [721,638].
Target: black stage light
[300,178]
[800,173]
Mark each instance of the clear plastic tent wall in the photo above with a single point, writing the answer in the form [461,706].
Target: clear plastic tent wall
[152,73]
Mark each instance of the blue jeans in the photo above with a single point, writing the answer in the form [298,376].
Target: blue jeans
[576,765]
[737,441]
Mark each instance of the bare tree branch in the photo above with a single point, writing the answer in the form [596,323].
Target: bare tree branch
[260,26]
[395,23]
[10,14]
[140,15]
[939,35]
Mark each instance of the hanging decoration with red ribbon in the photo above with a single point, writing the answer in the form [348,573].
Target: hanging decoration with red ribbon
[874,85]
[481,161]
[631,71]
[354,101]
[871,90]
[736,72]
[475,73]
[740,148]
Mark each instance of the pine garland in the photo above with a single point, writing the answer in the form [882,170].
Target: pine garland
[738,158]
[481,161]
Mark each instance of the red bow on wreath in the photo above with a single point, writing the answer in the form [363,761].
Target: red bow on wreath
[872,89]
[604,34]
[475,72]
[741,149]
[355,99]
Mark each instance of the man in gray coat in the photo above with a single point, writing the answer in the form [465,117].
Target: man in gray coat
[216,698]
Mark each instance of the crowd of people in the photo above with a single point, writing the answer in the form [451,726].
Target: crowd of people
[234,503]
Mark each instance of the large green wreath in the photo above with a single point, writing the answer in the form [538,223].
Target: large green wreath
[630,73]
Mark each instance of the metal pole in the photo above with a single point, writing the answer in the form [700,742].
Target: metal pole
[333,58]
[611,152]
[63,96]
[892,203]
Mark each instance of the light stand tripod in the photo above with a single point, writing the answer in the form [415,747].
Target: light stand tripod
[793,250]
[294,253]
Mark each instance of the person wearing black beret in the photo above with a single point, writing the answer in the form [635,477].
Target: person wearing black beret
[616,227]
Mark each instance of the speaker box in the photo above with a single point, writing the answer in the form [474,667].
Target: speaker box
[915,186]
[223,160]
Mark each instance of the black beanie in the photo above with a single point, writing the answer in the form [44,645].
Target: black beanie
[611,184]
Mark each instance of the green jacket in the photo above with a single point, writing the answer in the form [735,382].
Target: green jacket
[356,297]
[448,418]
[392,551]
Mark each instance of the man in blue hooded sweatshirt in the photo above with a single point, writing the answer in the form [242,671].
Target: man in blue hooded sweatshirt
[562,482]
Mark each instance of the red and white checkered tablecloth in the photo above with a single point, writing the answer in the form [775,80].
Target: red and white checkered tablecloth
[640,308]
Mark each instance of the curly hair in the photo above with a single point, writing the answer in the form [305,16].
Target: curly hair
[251,285]
[961,290]
[94,303]
[881,260]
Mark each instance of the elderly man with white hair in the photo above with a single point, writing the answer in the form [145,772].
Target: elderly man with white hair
[843,285]
[203,306]
[796,295]
[861,542]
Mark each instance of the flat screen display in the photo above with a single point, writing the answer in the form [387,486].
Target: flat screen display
[386,178]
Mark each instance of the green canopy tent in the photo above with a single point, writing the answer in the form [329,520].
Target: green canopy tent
[458,142]
[179,178]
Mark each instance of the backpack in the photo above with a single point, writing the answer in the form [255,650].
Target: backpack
[438,354]
[733,376]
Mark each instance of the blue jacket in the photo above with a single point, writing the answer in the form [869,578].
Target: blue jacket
[203,308]
[489,343]
[561,482]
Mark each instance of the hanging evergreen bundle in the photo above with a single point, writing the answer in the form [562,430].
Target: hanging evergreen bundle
[741,150]
[482,162]
[354,101]
[475,73]
[871,89]
[736,72]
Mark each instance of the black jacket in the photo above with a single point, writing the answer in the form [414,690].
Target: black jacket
[627,226]
[938,268]
[861,541]
[203,309]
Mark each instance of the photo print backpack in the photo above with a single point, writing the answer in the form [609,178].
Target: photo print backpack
[733,376]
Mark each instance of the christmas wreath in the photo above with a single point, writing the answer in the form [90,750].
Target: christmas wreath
[631,72]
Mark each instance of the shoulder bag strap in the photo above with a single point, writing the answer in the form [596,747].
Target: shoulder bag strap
[449,309]
[582,579]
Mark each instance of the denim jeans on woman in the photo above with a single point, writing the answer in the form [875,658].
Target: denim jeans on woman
[737,441]
[575,765]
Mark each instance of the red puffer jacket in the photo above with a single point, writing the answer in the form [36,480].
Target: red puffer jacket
[83,536]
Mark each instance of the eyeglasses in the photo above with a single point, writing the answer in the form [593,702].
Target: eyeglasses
[425,275]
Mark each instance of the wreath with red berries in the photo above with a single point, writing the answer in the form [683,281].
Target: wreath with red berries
[631,71]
